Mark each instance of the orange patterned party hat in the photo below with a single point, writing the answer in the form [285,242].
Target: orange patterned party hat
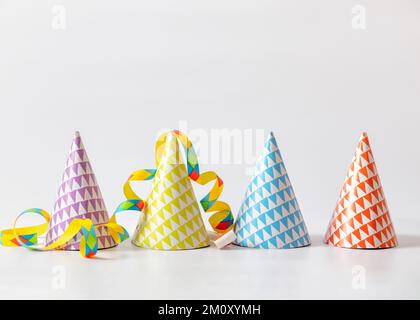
[361,219]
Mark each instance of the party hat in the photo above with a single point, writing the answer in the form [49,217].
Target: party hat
[270,217]
[79,221]
[361,218]
[172,219]
[79,197]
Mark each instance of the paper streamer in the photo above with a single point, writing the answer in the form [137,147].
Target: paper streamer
[221,218]
[28,236]
[77,222]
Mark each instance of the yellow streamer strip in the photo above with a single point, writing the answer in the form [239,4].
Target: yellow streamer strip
[28,236]
[221,219]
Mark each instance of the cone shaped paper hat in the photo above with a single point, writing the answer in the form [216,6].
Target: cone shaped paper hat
[270,217]
[79,196]
[172,218]
[361,218]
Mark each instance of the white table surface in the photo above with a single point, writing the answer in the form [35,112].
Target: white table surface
[127,272]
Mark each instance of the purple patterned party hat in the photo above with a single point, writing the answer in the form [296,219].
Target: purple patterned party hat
[79,196]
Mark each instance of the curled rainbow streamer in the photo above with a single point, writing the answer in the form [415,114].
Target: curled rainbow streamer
[28,236]
[221,218]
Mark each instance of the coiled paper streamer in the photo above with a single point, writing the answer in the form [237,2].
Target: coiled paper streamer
[28,236]
[221,218]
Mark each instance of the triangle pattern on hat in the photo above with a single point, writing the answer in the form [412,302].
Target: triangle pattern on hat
[270,216]
[361,219]
[172,218]
[78,196]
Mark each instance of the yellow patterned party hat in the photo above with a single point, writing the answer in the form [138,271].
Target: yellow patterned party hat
[172,218]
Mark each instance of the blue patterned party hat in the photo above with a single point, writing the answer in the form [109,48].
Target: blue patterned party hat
[270,217]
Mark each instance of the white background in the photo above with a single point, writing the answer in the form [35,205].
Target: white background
[123,70]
